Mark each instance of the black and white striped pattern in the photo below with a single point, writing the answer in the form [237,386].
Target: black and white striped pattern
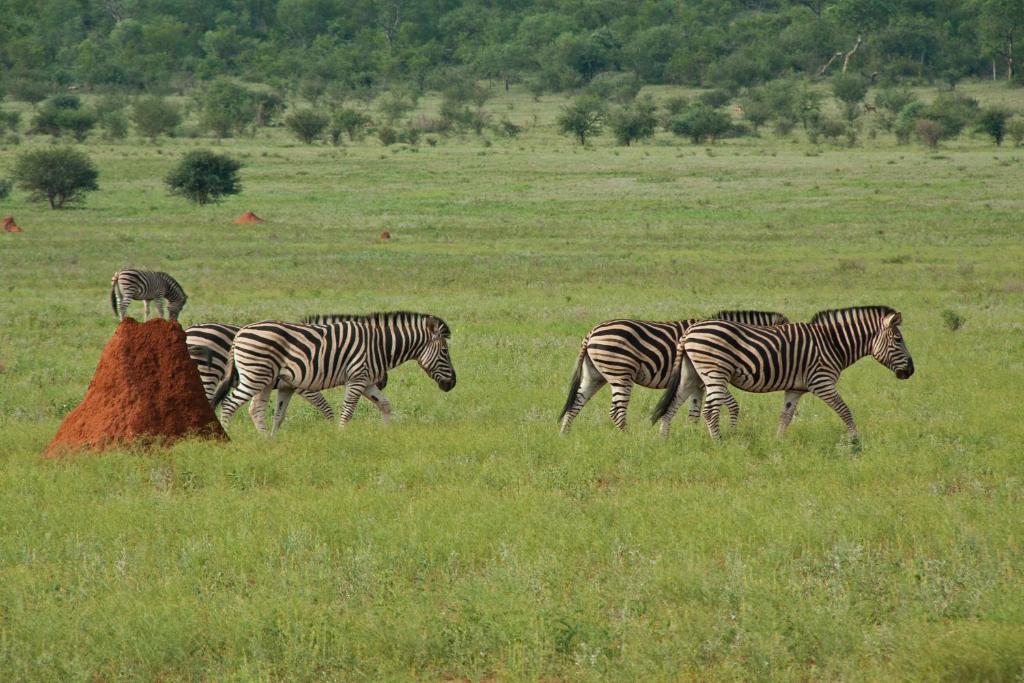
[627,352]
[795,358]
[209,345]
[329,351]
[148,285]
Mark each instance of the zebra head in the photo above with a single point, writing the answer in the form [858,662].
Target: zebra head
[434,358]
[889,348]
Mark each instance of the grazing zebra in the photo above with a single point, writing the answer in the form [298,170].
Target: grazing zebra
[328,351]
[130,285]
[795,358]
[627,352]
[208,346]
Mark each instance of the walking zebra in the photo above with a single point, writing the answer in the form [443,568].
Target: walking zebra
[627,352]
[208,346]
[130,285]
[795,358]
[328,351]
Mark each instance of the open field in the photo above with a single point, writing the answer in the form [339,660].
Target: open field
[468,540]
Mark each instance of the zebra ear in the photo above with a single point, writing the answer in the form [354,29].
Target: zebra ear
[893,319]
[433,326]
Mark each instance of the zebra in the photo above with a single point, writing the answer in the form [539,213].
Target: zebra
[148,285]
[627,352]
[208,346]
[796,358]
[328,351]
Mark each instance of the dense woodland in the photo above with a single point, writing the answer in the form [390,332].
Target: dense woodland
[551,45]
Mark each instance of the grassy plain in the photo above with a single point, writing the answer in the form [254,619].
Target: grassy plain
[468,540]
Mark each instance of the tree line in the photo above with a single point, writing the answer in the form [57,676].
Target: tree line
[316,46]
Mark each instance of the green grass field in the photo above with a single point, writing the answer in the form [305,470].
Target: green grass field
[468,540]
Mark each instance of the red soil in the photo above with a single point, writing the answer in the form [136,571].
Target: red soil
[146,390]
[385,235]
[248,217]
[9,225]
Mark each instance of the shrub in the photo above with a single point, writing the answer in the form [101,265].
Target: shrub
[757,111]
[203,177]
[614,86]
[893,100]
[929,132]
[582,118]
[61,176]
[5,188]
[700,122]
[992,122]
[850,88]
[114,125]
[306,124]
[907,120]
[634,123]
[509,129]
[153,116]
[352,122]
[954,321]
[396,105]
[411,135]
[269,106]
[675,105]
[1015,129]
[715,98]
[29,90]
[227,108]
[9,120]
[387,135]
[63,114]
[954,111]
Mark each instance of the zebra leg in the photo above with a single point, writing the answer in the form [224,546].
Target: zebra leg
[353,391]
[592,381]
[620,402]
[379,400]
[695,402]
[734,409]
[258,409]
[159,307]
[717,394]
[122,307]
[145,308]
[319,402]
[830,395]
[690,385]
[788,410]
[284,395]
[239,394]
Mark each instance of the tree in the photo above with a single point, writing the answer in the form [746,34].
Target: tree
[227,108]
[306,124]
[634,123]
[583,118]
[700,122]
[352,121]
[269,105]
[850,89]
[61,176]
[63,114]
[1015,129]
[954,111]
[1001,22]
[154,116]
[992,122]
[203,177]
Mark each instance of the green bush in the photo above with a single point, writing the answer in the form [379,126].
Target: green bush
[675,105]
[227,108]
[636,122]
[61,175]
[614,86]
[583,118]
[1015,129]
[715,98]
[203,177]
[29,90]
[700,122]
[352,121]
[387,135]
[153,116]
[954,111]
[63,114]
[9,120]
[306,124]
[929,131]
[850,88]
[269,106]
[907,119]
[5,188]
[992,122]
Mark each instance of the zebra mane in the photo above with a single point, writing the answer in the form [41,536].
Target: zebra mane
[383,316]
[838,314]
[742,316]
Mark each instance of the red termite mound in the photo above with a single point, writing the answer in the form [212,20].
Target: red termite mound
[385,235]
[9,225]
[146,390]
[248,217]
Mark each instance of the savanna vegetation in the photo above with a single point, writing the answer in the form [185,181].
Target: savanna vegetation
[468,540]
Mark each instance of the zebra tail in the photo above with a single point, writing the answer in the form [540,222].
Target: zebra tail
[672,388]
[227,381]
[113,296]
[577,378]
